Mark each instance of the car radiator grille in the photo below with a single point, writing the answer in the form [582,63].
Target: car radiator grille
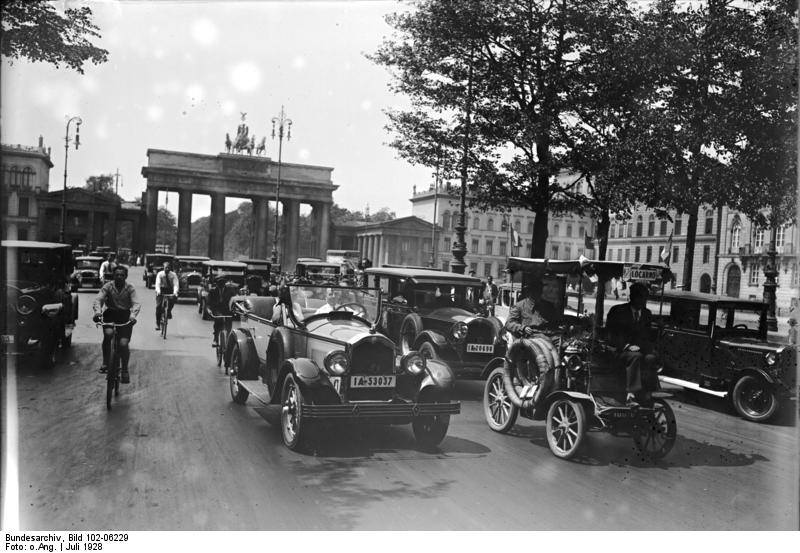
[371,359]
[193,280]
[480,331]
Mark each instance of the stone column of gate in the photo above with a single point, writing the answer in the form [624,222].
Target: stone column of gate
[381,250]
[323,227]
[151,220]
[291,210]
[113,229]
[184,223]
[261,214]
[216,230]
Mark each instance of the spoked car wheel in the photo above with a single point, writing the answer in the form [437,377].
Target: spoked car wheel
[658,435]
[238,393]
[754,399]
[293,429]
[500,413]
[566,427]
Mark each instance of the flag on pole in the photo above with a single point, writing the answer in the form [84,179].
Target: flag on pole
[666,252]
[516,239]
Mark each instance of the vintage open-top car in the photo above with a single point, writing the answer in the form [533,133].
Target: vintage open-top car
[233,271]
[311,270]
[441,315]
[87,272]
[189,269]
[153,263]
[257,277]
[316,352]
[719,346]
[40,310]
[580,385]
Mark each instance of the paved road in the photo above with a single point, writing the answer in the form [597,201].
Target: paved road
[177,453]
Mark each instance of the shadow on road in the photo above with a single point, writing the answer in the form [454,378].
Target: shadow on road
[353,440]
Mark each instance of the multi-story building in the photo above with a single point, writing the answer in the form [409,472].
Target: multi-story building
[491,235]
[735,268]
[26,178]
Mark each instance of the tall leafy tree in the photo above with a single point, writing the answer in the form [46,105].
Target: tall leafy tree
[697,113]
[102,183]
[38,32]
[166,228]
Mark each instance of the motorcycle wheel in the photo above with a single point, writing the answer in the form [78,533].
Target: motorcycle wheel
[658,435]
[566,427]
[500,413]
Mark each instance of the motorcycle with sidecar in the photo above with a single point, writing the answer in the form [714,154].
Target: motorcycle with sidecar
[579,385]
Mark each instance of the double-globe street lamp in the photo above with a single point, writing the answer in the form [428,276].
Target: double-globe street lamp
[78,122]
[282,121]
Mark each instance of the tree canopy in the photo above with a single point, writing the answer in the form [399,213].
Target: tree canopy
[38,32]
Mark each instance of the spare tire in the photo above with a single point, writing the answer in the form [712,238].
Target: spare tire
[410,328]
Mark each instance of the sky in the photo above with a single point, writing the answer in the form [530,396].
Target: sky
[179,74]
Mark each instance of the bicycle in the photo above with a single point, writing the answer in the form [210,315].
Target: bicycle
[222,338]
[165,313]
[114,363]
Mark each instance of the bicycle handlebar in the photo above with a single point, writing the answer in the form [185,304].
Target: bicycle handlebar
[101,322]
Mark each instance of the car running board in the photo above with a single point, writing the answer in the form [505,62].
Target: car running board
[257,389]
[691,386]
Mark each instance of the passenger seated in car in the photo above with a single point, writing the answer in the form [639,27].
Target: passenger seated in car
[630,332]
[331,301]
[280,314]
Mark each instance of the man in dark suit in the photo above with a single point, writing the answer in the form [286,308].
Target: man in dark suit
[630,333]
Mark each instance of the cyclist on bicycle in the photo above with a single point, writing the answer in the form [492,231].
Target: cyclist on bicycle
[121,306]
[218,303]
[165,280]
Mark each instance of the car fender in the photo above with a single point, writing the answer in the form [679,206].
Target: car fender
[437,339]
[241,337]
[314,383]
[540,411]
[492,365]
[438,375]
[754,371]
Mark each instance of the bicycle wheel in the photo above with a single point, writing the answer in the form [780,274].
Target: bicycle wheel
[111,375]
[164,320]
[221,348]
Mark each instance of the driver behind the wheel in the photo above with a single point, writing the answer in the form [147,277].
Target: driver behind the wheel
[331,301]
[629,328]
[528,320]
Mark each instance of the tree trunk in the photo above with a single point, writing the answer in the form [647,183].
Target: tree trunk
[539,236]
[603,224]
[688,260]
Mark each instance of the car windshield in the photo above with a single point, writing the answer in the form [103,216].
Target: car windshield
[37,266]
[740,319]
[434,296]
[185,266]
[310,300]
[88,264]
[324,272]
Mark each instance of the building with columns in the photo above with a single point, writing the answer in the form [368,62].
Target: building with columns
[25,179]
[230,175]
[403,241]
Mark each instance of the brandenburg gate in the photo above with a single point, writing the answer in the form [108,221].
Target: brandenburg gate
[240,176]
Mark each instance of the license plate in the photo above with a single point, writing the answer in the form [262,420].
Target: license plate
[372,381]
[480,348]
[337,383]
[8,339]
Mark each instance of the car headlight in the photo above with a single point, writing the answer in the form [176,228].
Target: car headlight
[459,331]
[26,305]
[771,358]
[336,363]
[412,363]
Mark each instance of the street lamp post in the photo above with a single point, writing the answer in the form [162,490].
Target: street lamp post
[281,121]
[458,265]
[78,122]
[770,285]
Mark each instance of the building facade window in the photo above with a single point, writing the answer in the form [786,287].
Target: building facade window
[678,226]
[581,232]
[636,254]
[612,232]
[736,236]
[476,223]
[568,251]
[649,254]
[555,230]
[23,209]
[474,246]
[530,228]
[755,269]
[675,252]
[487,269]
[22,233]
[517,225]
[780,236]
[503,247]
[554,252]
[630,229]
[663,225]
[504,225]
[706,253]
[447,244]
[759,240]
[627,254]
[27,177]
[709,222]
[489,247]
[619,254]
[490,224]
[446,220]
[651,225]
[473,268]
[639,224]
[569,231]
